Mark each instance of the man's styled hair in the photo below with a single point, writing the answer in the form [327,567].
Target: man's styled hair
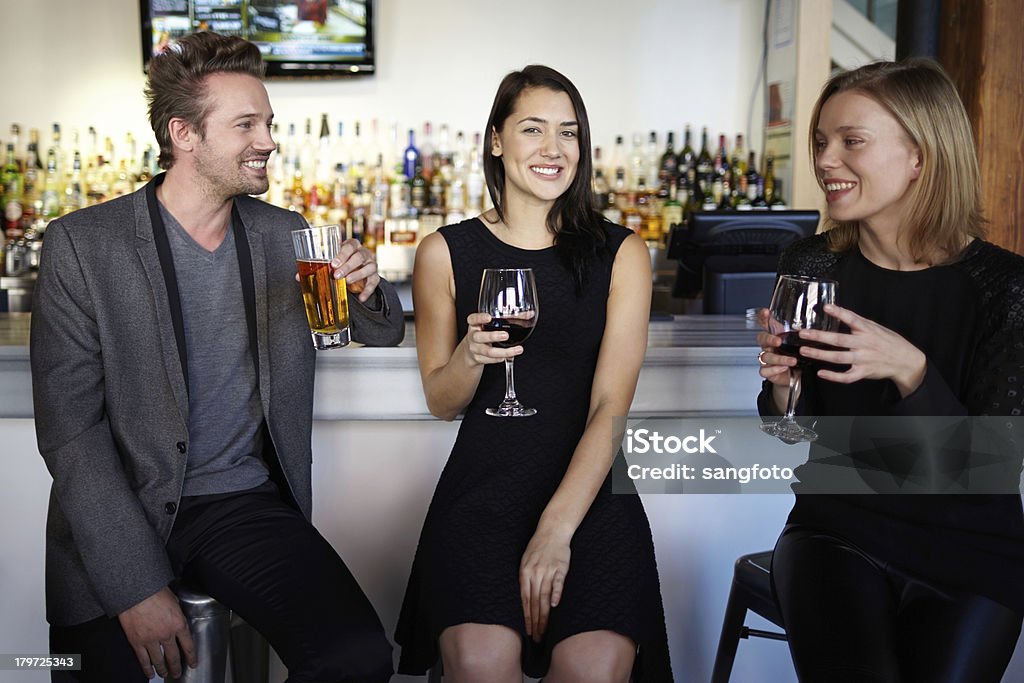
[176,86]
[944,204]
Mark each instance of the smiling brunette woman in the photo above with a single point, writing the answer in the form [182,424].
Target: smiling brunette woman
[527,561]
[901,587]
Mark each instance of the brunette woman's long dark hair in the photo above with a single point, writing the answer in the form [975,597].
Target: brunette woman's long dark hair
[577,226]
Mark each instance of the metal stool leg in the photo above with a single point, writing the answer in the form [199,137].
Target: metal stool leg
[250,653]
[729,640]
[210,624]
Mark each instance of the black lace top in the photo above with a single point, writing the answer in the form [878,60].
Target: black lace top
[968,319]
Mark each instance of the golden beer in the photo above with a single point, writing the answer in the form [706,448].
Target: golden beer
[326,300]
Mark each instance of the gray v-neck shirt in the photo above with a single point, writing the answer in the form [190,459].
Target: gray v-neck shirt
[225,414]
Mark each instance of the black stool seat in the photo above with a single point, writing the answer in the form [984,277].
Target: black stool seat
[751,590]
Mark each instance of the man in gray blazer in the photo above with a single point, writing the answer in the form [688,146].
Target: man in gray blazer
[173,368]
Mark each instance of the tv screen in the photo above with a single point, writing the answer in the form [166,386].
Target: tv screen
[297,38]
[730,257]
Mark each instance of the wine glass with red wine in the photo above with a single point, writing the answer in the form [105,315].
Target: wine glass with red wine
[798,304]
[509,296]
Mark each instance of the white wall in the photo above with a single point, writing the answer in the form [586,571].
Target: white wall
[641,65]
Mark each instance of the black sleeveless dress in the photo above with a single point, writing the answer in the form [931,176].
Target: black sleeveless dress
[503,471]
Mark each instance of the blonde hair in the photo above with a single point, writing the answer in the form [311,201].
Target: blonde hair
[944,204]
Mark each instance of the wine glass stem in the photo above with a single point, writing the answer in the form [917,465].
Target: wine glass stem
[510,382]
[794,392]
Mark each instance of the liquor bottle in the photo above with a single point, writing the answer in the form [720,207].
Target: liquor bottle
[307,157]
[613,210]
[419,191]
[32,180]
[122,183]
[92,159]
[650,216]
[131,155]
[455,201]
[32,157]
[373,231]
[671,212]
[51,187]
[432,217]
[73,146]
[339,150]
[653,162]
[411,156]
[600,183]
[55,145]
[752,176]
[427,152]
[740,152]
[357,169]
[759,203]
[15,141]
[708,200]
[721,160]
[11,180]
[741,198]
[705,165]
[696,195]
[147,167]
[443,164]
[636,162]
[769,178]
[475,182]
[619,161]
[725,198]
[297,196]
[324,164]
[337,210]
[290,148]
[687,158]
[74,195]
[737,180]
[631,217]
[719,183]
[668,171]
[777,203]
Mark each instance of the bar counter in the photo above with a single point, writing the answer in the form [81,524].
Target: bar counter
[695,365]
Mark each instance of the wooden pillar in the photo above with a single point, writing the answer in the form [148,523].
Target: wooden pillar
[814,45]
[981,47]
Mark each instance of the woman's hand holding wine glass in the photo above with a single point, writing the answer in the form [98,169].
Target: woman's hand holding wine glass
[487,346]
[798,304]
[508,297]
[870,350]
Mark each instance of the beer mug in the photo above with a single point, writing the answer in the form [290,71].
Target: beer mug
[325,297]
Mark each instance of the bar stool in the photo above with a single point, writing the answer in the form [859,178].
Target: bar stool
[751,589]
[217,633]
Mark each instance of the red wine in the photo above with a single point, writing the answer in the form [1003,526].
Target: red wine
[790,346]
[518,330]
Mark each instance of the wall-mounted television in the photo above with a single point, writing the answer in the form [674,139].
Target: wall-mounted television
[327,38]
[730,257]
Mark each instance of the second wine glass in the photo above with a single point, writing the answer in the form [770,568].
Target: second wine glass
[509,296]
[797,304]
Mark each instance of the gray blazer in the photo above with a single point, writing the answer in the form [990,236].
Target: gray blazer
[111,401]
